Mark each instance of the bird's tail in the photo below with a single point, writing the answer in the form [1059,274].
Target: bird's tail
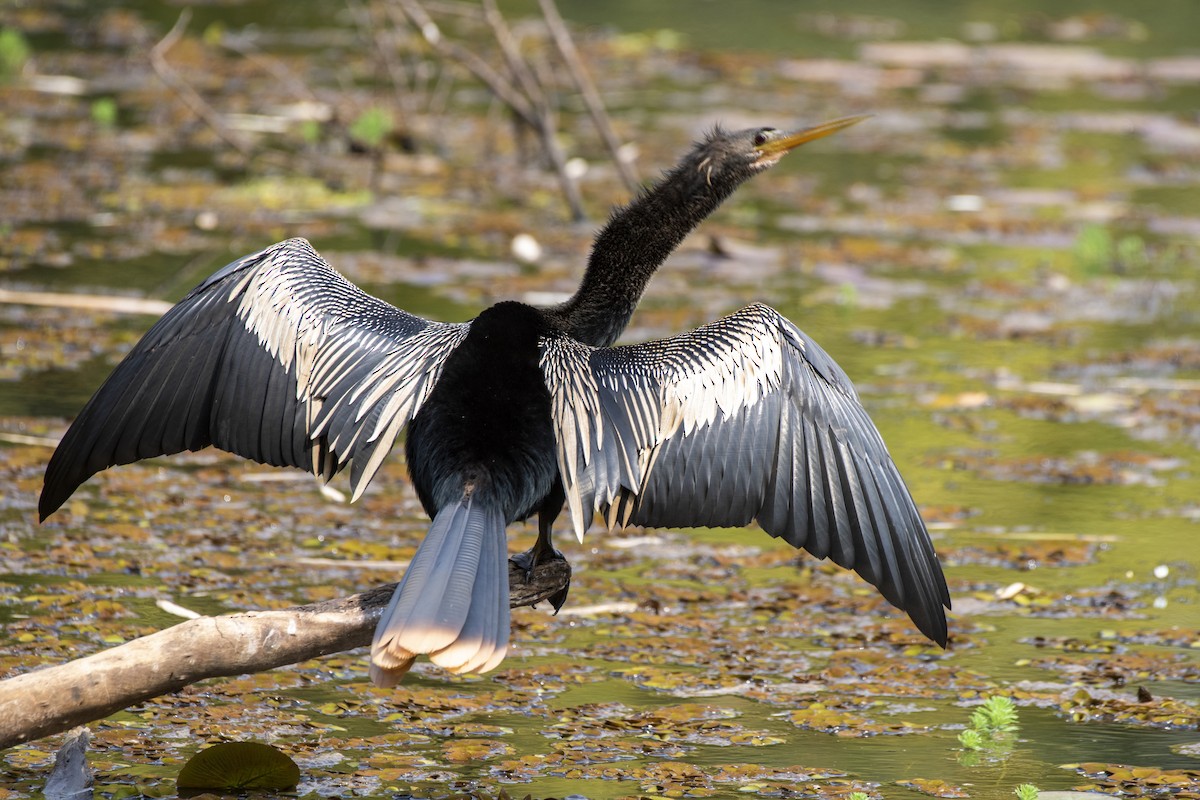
[453,600]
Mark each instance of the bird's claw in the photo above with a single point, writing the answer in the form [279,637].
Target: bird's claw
[560,597]
[531,558]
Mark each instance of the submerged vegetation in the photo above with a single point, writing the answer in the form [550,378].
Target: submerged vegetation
[1003,259]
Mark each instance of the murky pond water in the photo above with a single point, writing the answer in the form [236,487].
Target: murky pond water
[1003,259]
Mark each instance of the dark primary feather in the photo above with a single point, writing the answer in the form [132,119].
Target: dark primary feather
[745,418]
[276,358]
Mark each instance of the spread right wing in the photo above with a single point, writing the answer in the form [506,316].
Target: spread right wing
[746,418]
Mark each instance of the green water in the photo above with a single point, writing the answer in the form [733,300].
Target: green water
[1035,397]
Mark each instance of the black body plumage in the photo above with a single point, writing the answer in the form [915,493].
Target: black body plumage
[486,425]
[280,359]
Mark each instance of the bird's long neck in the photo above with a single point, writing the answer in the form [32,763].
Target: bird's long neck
[631,247]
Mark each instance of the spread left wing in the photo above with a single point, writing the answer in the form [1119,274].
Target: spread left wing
[743,419]
[277,358]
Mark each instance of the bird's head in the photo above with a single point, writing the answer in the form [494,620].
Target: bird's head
[734,156]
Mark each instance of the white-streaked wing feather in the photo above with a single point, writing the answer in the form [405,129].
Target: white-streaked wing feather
[743,419]
[277,358]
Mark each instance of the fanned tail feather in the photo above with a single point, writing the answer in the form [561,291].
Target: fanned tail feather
[453,600]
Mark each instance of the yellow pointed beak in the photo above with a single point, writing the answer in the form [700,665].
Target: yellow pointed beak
[775,149]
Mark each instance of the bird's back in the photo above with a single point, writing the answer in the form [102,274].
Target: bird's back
[487,423]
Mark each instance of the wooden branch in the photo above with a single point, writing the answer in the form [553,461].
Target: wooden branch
[525,97]
[588,91]
[55,699]
[531,87]
[86,302]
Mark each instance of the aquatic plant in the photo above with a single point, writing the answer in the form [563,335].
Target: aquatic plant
[998,714]
[989,730]
[970,739]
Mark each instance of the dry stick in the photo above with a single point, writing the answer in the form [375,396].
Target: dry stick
[547,126]
[368,28]
[194,101]
[87,302]
[26,439]
[55,699]
[439,95]
[587,89]
[476,65]
[523,105]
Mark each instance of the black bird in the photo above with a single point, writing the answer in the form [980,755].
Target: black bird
[280,359]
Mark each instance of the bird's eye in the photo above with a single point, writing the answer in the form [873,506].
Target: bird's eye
[763,136]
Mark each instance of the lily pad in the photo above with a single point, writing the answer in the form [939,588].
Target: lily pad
[239,765]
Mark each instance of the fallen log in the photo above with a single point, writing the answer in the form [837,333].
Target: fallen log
[55,699]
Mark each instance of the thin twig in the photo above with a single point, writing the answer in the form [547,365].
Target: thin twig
[495,82]
[587,89]
[401,85]
[190,97]
[547,125]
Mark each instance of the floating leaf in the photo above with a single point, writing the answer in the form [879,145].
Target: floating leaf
[239,765]
[934,787]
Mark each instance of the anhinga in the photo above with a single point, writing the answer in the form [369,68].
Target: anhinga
[280,359]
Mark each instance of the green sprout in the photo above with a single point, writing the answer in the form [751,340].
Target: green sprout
[970,739]
[989,731]
[372,127]
[1026,791]
[998,714]
[104,112]
[14,52]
